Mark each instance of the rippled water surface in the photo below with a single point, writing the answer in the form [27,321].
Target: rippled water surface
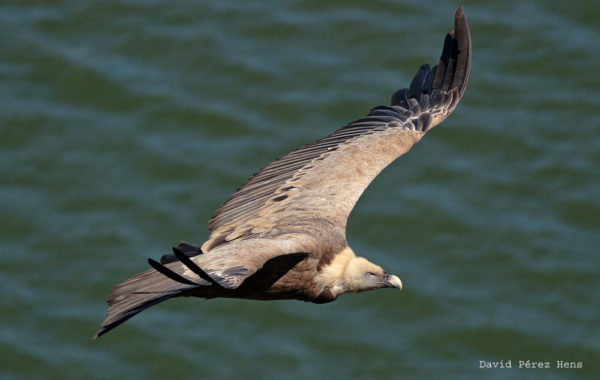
[125,124]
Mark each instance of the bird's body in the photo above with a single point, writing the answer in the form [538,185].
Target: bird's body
[282,235]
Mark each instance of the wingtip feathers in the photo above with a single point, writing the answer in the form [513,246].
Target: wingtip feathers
[452,71]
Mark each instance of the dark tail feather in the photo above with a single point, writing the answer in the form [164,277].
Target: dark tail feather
[137,293]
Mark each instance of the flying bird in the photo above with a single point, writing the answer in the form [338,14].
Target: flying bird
[282,235]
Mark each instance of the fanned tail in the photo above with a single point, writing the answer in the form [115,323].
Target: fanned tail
[136,294]
[145,289]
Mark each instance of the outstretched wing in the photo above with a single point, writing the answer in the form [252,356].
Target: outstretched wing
[323,180]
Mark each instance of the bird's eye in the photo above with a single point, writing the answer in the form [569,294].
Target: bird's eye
[370,275]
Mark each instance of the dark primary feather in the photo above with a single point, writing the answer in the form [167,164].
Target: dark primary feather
[169,273]
[192,266]
[190,250]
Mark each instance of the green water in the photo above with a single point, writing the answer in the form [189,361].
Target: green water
[124,125]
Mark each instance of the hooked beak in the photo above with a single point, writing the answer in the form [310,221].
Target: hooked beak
[391,281]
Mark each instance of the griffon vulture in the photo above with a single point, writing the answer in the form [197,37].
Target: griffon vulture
[282,235]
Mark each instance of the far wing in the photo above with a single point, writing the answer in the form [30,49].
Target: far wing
[321,182]
[229,265]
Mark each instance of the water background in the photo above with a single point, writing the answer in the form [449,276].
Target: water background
[125,124]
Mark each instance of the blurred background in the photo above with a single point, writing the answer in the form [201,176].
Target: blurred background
[125,124]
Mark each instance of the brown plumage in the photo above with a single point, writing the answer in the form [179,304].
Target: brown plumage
[282,235]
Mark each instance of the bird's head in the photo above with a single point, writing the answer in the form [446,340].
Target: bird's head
[360,274]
